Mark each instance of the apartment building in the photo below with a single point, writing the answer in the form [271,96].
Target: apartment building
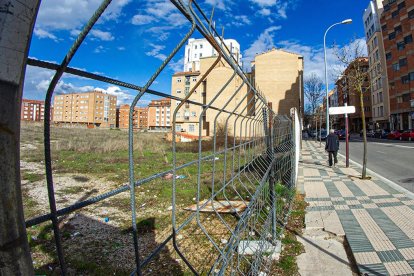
[32,110]
[377,65]
[279,75]
[397,21]
[140,117]
[91,109]
[188,120]
[196,49]
[159,114]
[347,94]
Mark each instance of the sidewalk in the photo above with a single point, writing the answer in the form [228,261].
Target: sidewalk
[376,220]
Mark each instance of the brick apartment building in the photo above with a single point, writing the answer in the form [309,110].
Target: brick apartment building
[91,109]
[346,93]
[140,117]
[377,65]
[33,110]
[159,114]
[397,21]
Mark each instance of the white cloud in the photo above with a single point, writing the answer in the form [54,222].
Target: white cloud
[122,96]
[176,66]
[162,12]
[121,48]
[264,12]
[142,19]
[105,36]
[314,58]
[99,49]
[264,3]
[72,15]
[40,33]
[219,4]
[155,52]
[240,20]
[264,42]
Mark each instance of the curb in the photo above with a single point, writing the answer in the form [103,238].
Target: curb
[386,180]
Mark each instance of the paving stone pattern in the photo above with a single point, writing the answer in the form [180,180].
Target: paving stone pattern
[377,220]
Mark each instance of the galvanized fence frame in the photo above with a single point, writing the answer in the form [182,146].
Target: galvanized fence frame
[260,160]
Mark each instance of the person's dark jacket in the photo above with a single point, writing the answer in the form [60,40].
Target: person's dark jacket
[332,142]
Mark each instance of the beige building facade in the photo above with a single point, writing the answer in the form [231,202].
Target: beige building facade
[190,120]
[92,109]
[278,74]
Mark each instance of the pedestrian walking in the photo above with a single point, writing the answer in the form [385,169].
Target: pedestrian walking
[332,147]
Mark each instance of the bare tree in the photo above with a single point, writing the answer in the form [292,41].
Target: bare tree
[313,90]
[357,76]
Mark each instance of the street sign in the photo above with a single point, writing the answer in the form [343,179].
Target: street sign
[341,110]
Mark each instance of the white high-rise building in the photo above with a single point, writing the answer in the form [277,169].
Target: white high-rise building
[200,48]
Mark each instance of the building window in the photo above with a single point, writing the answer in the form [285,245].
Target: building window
[195,46]
[405,79]
[411,14]
[201,46]
[391,36]
[401,5]
[194,114]
[384,27]
[191,128]
[195,55]
[201,55]
[179,80]
[398,29]
[194,79]
[396,67]
[402,62]
[394,14]
[400,46]
[411,76]
[388,56]
[408,39]
[178,91]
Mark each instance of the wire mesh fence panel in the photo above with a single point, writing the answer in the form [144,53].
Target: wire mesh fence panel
[228,212]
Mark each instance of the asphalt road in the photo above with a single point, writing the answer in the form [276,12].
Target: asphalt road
[391,159]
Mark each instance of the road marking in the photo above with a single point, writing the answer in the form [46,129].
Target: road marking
[380,151]
[385,144]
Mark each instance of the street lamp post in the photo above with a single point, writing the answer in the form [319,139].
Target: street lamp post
[346,21]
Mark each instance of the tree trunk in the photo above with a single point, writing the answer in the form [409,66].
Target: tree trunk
[16,26]
[364,135]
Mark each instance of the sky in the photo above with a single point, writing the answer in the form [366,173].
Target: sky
[132,38]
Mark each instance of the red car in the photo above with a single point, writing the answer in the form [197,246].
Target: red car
[394,135]
[407,135]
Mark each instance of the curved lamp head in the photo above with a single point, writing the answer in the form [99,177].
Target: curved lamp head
[347,21]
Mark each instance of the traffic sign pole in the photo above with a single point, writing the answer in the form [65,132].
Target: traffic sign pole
[347,140]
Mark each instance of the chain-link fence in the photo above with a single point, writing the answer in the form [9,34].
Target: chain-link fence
[245,166]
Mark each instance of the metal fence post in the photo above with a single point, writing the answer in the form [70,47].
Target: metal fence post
[16,26]
[271,151]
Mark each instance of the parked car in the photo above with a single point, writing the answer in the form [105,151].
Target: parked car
[381,133]
[341,134]
[394,135]
[407,135]
[322,135]
[371,133]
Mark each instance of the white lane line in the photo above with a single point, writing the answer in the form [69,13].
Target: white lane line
[386,144]
[392,145]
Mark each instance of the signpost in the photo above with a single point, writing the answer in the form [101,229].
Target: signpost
[344,110]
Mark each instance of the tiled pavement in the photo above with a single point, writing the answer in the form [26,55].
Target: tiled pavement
[377,220]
